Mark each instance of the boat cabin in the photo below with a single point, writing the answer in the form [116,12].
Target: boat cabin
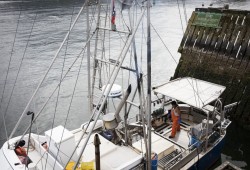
[199,103]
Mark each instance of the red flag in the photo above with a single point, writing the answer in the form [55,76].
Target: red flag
[113,12]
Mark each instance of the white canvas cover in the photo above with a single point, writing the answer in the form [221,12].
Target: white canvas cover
[194,92]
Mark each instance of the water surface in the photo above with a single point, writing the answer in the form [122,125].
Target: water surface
[31,32]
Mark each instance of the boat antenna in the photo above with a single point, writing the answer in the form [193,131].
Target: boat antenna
[149,84]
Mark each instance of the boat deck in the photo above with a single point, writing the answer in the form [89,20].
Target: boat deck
[38,161]
[182,138]
[110,153]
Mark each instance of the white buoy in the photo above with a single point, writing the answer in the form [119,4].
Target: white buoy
[116,90]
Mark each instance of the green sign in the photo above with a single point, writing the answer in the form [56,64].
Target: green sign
[207,19]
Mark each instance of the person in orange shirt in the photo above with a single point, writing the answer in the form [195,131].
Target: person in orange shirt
[176,118]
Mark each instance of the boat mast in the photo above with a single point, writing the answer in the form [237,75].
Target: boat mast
[149,83]
[110,81]
[88,61]
[139,88]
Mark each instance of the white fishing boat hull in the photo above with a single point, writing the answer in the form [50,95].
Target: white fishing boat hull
[4,160]
[131,143]
[113,157]
[180,152]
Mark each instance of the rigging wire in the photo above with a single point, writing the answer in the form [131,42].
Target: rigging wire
[103,55]
[131,50]
[72,97]
[114,74]
[143,36]
[192,73]
[40,150]
[99,69]
[61,81]
[195,92]
[43,78]
[180,16]
[108,69]
[59,88]
[6,77]
[96,65]
[69,69]
[70,104]
[20,66]
[120,37]
[176,63]
[164,44]
[185,11]
[123,20]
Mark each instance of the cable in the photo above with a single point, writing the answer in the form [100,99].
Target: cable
[72,97]
[19,68]
[164,44]
[113,103]
[6,77]
[185,11]
[40,151]
[69,109]
[56,87]
[45,75]
[180,17]
[59,88]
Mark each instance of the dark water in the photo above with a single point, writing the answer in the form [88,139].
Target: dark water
[35,48]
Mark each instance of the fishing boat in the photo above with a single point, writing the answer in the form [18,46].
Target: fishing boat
[138,138]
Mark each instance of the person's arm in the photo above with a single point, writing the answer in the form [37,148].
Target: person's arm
[178,110]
